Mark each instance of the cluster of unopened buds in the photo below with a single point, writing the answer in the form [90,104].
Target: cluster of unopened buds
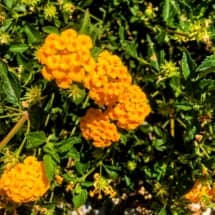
[67,59]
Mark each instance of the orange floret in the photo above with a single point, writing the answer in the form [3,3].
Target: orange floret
[131,109]
[25,182]
[95,126]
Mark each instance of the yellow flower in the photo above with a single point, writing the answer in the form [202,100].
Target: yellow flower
[33,95]
[5,38]
[50,11]
[169,69]
[102,186]
[68,7]
[25,181]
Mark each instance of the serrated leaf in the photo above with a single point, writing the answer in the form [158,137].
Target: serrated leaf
[50,166]
[18,48]
[79,198]
[49,148]
[66,145]
[35,139]
[185,66]
[81,167]
[32,34]
[9,85]
[207,84]
[207,65]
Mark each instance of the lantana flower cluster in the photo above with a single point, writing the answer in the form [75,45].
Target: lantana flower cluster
[24,182]
[108,80]
[96,126]
[67,59]
[201,192]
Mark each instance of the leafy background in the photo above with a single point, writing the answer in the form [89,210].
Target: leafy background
[168,47]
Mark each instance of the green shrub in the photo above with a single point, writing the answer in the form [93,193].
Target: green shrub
[168,48]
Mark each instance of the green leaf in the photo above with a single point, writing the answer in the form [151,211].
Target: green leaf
[207,84]
[111,173]
[183,107]
[50,29]
[35,139]
[130,48]
[9,3]
[163,211]
[185,66]
[79,197]
[81,167]
[6,26]
[18,48]
[32,34]
[175,84]
[207,65]
[50,166]
[166,10]
[66,145]
[159,144]
[85,23]
[152,53]
[49,148]
[9,85]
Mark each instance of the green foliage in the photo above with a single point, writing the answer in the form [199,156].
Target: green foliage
[168,47]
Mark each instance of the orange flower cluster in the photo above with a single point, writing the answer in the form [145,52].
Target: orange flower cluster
[131,109]
[66,57]
[25,181]
[199,192]
[108,80]
[95,126]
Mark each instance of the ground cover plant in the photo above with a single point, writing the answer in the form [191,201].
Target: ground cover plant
[107,103]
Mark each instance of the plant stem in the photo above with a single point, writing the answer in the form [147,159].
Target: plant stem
[92,16]
[24,140]
[78,119]
[14,130]
[91,171]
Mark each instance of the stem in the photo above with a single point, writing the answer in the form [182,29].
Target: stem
[92,16]
[177,32]
[24,140]
[91,171]
[78,119]
[9,115]
[14,130]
